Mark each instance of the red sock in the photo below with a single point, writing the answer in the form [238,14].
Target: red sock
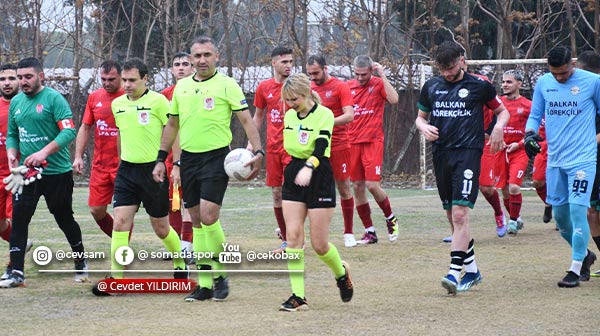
[106,224]
[6,233]
[280,221]
[187,233]
[507,204]
[515,206]
[494,201]
[175,221]
[542,193]
[386,207]
[348,214]
[364,212]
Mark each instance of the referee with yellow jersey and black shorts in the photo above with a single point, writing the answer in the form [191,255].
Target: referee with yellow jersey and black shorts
[140,115]
[309,187]
[201,111]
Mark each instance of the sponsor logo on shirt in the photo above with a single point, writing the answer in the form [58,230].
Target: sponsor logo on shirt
[102,129]
[575,90]
[99,104]
[276,116]
[25,136]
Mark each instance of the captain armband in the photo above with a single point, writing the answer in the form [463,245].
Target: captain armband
[65,123]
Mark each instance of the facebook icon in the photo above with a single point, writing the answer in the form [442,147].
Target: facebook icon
[124,255]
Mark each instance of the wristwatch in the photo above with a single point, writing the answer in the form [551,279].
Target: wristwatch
[259,151]
[177,163]
[309,165]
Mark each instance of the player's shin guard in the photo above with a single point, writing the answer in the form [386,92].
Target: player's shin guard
[562,216]
[348,214]
[119,239]
[296,278]
[332,259]
[581,231]
[469,263]
[215,238]
[457,259]
[515,206]
[173,245]
[204,279]
[364,212]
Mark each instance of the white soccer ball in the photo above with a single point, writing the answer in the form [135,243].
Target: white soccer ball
[234,164]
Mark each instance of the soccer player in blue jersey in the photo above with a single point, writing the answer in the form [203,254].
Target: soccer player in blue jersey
[451,116]
[570,99]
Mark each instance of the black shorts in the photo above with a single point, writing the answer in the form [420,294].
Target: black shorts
[594,197]
[320,193]
[203,176]
[134,185]
[457,176]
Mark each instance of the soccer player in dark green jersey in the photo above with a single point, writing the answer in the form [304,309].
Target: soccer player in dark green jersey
[201,112]
[40,128]
[309,187]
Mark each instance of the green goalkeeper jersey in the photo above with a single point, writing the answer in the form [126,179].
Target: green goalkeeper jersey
[34,122]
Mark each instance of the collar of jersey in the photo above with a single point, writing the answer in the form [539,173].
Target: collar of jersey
[204,80]
[309,112]
[143,94]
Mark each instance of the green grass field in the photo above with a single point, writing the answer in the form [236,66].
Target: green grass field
[397,286]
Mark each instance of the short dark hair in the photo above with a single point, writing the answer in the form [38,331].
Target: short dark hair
[30,62]
[136,63]
[280,51]
[448,52]
[8,67]
[180,55]
[559,56]
[319,59]
[203,40]
[589,60]
[362,61]
[108,65]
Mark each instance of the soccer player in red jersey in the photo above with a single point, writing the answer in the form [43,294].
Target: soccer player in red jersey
[179,218]
[370,93]
[9,87]
[98,113]
[269,106]
[513,161]
[335,95]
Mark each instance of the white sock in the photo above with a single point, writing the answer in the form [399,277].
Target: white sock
[576,267]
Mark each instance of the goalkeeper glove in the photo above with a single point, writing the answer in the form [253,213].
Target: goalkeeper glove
[532,144]
[14,181]
[34,173]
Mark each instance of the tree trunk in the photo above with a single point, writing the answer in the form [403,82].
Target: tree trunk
[465,16]
[571,28]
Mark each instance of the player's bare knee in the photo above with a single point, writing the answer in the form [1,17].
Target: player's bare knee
[98,212]
[320,247]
